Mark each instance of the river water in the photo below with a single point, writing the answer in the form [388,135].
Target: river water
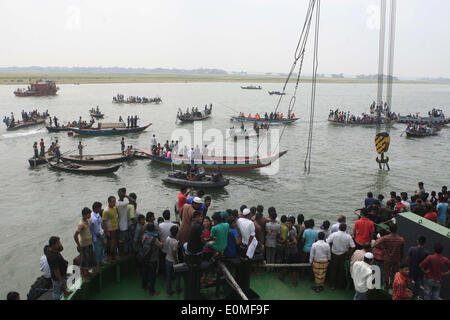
[39,203]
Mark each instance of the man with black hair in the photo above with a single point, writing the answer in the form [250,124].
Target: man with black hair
[205,206]
[241,210]
[392,246]
[400,289]
[415,256]
[122,211]
[58,268]
[272,234]
[164,229]
[171,245]
[421,189]
[111,227]
[195,239]
[335,227]
[97,233]
[150,253]
[84,244]
[219,234]
[341,246]
[363,230]
[13,295]
[433,267]
[44,267]
[319,258]
[369,200]
[259,230]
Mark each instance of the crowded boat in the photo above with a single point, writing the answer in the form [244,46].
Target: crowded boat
[28,118]
[194,113]
[421,130]
[120,98]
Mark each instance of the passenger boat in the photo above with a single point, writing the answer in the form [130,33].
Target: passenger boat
[251,87]
[278,93]
[179,178]
[226,164]
[360,124]
[191,119]
[24,124]
[109,131]
[34,162]
[437,120]
[263,120]
[37,89]
[416,134]
[98,158]
[77,168]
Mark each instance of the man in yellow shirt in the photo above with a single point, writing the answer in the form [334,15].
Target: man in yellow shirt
[111,227]
[83,239]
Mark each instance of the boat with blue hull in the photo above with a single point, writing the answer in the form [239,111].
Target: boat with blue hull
[109,131]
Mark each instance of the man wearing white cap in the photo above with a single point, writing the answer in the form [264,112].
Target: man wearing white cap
[246,227]
[361,273]
[186,214]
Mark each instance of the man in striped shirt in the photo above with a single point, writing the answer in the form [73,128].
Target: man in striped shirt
[392,246]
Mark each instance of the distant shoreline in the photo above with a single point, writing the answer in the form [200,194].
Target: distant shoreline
[22,79]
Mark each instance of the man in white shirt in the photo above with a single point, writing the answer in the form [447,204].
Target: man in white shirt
[153,141]
[45,268]
[246,227]
[319,256]
[335,227]
[362,272]
[164,228]
[341,245]
[190,154]
[358,255]
[122,211]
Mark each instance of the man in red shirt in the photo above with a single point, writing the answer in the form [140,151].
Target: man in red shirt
[363,230]
[182,198]
[400,289]
[433,267]
[42,145]
[392,246]
[431,215]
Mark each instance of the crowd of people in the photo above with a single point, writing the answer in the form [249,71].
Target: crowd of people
[347,117]
[422,128]
[194,112]
[26,117]
[271,116]
[106,235]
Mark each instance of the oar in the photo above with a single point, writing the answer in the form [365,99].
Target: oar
[402,133]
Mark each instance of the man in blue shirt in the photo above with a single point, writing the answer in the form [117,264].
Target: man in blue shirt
[442,208]
[97,233]
[369,200]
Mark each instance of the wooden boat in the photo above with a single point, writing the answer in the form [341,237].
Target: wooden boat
[229,164]
[251,87]
[77,168]
[278,93]
[191,119]
[407,119]
[109,131]
[98,159]
[420,134]
[179,178]
[351,124]
[34,162]
[22,124]
[95,114]
[263,120]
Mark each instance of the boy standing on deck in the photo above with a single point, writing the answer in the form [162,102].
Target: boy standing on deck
[272,234]
[171,245]
[122,211]
[84,244]
[97,233]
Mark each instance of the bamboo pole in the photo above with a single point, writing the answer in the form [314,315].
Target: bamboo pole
[231,281]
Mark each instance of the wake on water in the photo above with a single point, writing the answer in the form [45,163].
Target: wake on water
[20,134]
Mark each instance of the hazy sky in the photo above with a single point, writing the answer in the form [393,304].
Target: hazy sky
[235,35]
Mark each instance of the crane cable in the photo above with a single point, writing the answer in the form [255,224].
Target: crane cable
[307,162]
[298,55]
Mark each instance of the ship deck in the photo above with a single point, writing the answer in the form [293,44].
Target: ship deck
[119,282]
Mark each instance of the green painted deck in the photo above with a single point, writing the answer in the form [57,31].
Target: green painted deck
[119,282]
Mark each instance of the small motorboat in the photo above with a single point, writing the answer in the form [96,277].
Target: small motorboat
[99,158]
[251,87]
[24,124]
[78,168]
[109,131]
[96,114]
[236,134]
[278,93]
[201,181]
